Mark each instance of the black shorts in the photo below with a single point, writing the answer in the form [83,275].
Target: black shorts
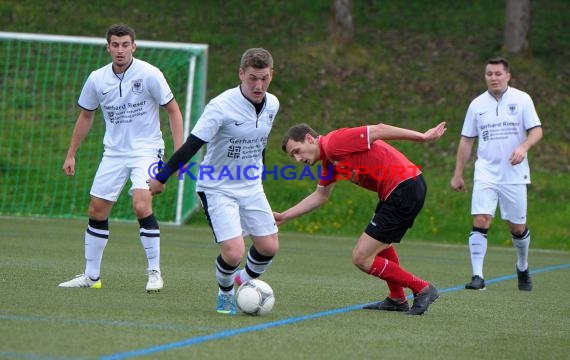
[396,215]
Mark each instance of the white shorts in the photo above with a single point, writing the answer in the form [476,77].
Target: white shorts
[114,171]
[512,200]
[231,216]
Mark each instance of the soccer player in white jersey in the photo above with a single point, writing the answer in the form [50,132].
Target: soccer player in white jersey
[235,125]
[129,92]
[506,124]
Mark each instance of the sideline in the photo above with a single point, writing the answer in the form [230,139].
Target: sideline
[293,320]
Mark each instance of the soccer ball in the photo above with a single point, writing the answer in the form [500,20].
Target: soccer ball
[255,297]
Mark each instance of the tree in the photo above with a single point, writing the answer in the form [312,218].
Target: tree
[517,27]
[342,28]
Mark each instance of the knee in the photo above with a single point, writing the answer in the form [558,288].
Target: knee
[142,208]
[360,261]
[99,209]
[482,221]
[142,203]
[519,231]
[267,246]
[233,255]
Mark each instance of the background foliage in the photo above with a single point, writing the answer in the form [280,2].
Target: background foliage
[413,64]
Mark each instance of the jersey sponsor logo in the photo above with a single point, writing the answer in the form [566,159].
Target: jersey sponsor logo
[239,123]
[106,92]
[234,152]
[137,86]
[111,116]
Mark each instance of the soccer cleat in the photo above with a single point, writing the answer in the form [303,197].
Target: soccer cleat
[155,282]
[226,304]
[237,280]
[477,283]
[423,300]
[525,283]
[82,281]
[389,304]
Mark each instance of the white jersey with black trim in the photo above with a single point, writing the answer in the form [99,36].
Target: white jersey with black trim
[130,103]
[500,126]
[236,137]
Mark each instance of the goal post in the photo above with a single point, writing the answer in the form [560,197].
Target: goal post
[40,81]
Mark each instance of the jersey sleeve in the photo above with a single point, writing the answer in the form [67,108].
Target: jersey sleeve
[209,122]
[470,123]
[159,88]
[530,117]
[88,98]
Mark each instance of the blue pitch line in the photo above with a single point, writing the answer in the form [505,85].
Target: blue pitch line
[293,320]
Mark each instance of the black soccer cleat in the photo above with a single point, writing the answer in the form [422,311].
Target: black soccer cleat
[389,304]
[525,283]
[477,283]
[423,300]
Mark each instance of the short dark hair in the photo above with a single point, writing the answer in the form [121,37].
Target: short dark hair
[499,60]
[120,30]
[257,58]
[297,133]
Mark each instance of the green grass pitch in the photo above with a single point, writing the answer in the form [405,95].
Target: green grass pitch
[316,316]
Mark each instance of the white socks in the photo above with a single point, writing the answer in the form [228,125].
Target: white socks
[477,248]
[521,246]
[95,242]
[151,247]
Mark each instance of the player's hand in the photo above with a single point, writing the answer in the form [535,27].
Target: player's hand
[436,132]
[155,187]
[458,184]
[517,156]
[69,166]
[279,218]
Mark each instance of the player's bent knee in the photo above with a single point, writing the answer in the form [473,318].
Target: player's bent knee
[267,245]
[233,250]
[360,262]
[232,257]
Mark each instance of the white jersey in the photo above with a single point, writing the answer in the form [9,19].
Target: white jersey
[236,137]
[501,126]
[130,104]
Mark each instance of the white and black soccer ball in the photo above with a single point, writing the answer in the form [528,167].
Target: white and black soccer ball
[255,297]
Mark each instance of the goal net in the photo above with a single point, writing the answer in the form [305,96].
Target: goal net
[40,81]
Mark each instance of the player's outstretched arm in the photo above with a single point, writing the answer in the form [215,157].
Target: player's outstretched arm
[388,132]
[308,204]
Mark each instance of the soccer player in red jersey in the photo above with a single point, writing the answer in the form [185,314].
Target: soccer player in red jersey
[361,156]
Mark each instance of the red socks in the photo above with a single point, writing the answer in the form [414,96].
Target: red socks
[396,291]
[386,267]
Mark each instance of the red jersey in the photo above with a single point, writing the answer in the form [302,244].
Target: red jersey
[347,155]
